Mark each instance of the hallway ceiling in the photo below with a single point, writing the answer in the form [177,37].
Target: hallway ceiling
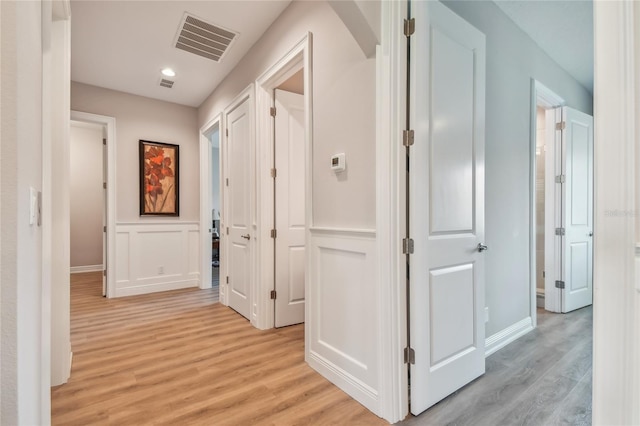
[123,45]
[563,29]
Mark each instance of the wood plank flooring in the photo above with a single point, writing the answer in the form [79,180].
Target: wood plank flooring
[543,378]
[179,358]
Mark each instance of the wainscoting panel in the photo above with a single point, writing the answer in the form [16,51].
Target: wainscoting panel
[343,344]
[153,257]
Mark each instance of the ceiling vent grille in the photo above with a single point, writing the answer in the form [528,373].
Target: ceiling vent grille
[204,39]
[166,83]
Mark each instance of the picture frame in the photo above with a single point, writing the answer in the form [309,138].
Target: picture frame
[159,178]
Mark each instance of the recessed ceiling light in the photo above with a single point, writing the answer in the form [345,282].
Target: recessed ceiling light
[168,72]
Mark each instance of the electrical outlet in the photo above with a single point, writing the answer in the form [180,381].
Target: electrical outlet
[486,314]
[160,270]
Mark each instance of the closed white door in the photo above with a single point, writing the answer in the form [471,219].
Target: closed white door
[289,208]
[577,209]
[446,204]
[238,187]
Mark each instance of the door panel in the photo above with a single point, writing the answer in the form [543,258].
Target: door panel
[577,210]
[446,204]
[289,208]
[239,196]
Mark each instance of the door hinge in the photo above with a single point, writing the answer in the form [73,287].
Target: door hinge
[560,231]
[274,233]
[227,280]
[104,272]
[226,131]
[409,355]
[226,181]
[407,137]
[561,125]
[227,230]
[104,185]
[274,173]
[273,295]
[272,111]
[559,284]
[560,178]
[409,27]
[104,229]
[104,141]
[407,246]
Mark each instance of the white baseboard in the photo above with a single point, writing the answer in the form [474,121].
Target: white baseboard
[134,290]
[508,335]
[86,268]
[540,297]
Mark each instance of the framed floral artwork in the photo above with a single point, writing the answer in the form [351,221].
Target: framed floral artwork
[159,179]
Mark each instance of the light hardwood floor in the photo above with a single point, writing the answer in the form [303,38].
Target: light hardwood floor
[543,378]
[179,358]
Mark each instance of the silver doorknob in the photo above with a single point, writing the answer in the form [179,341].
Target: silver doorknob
[482,247]
[246,237]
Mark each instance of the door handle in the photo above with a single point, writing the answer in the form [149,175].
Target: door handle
[590,234]
[246,237]
[481,247]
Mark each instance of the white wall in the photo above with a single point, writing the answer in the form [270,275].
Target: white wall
[512,60]
[21,304]
[343,108]
[143,118]
[86,197]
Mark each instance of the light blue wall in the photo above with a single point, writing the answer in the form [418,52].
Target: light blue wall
[513,59]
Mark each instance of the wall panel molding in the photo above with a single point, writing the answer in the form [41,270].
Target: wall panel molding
[156,256]
[345,297]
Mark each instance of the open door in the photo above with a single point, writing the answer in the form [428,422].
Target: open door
[289,208]
[574,187]
[446,204]
[238,186]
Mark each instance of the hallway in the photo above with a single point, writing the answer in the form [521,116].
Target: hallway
[180,358]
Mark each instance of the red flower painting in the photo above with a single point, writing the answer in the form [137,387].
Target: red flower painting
[159,178]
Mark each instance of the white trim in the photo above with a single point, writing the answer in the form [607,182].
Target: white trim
[299,57]
[206,169]
[391,68]
[616,313]
[544,97]
[502,338]
[85,268]
[343,231]
[110,123]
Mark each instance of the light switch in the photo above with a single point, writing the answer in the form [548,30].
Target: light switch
[338,163]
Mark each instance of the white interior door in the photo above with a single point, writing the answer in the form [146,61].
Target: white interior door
[446,204]
[289,208]
[577,209]
[238,187]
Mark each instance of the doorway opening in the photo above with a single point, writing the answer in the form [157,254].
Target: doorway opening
[87,198]
[214,160]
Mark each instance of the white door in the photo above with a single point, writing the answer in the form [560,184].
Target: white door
[289,208]
[576,210]
[238,187]
[446,199]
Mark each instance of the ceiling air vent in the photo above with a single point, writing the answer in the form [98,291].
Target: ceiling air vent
[166,83]
[203,39]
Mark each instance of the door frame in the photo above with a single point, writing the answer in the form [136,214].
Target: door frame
[298,57]
[544,97]
[110,124]
[206,170]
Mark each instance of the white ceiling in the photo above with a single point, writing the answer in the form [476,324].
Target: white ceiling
[563,29]
[123,45]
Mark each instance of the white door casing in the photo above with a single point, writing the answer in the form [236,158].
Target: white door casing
[576,210]
[238,223]
[446,206]
[289,208]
